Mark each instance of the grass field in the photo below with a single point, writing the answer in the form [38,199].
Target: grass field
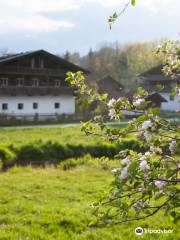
[65,135]
[46,204]
[71,135]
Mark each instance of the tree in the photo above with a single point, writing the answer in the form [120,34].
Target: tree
[146,180]
[67,56]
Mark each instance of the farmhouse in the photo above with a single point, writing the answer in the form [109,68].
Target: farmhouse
[33,83]
[150,79]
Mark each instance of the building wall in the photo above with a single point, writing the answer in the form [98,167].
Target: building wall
[171,105]
[45,105]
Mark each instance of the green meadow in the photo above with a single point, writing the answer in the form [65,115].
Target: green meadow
[47,204]
[19,136]
[55,203]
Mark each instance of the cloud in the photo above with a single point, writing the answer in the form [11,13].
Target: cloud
[26,15]
[34,23]
[160,5]
[42,5]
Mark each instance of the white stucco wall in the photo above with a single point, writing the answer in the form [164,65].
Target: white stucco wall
[170,105]
[45,105]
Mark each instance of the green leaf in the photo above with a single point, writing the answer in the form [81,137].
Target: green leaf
[154,111]
[133,2]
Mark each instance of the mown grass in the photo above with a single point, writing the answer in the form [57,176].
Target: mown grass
[71,135]
[48,204]
[25,135]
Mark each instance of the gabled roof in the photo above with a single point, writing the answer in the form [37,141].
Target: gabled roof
[107,84]
[157,70]
[155,96]
[9,57]
[12,57]
[107,78]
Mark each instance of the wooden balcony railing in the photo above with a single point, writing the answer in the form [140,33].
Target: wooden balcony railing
[15,90]
[33,71]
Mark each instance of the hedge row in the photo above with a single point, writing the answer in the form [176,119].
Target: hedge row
[55,152]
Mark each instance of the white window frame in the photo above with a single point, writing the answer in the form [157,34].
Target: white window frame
[57,83]
[6,104]
[35,103]
[22,104]
[20,82]
[4,81]
[59,105]
[35,82]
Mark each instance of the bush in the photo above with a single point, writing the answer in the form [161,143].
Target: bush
[74,162]
[87,160]
[54,152]
[7,157]
[28,153]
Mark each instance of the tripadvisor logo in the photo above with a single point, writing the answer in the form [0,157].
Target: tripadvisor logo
[140,231]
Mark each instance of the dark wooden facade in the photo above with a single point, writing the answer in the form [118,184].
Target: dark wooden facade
[155,76]
[108,85]
[37,72]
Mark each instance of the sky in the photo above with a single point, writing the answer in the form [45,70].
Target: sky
[78,25]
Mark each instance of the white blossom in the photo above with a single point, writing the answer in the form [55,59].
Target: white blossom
[142,158]
[112,113]
[138,102]
[155,150]
[111,102]
[139,134]
[125,161]
[160,184]
[119,99]
[146,125]
[153,128]
[116,170]
[150,115]
[172,147]
[124,173]
[147,136]
[148,154]
[178,91]
[138,204]
[142,189]
[132,121]
[144,166]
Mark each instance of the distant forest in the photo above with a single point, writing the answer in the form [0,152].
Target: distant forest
[123,62]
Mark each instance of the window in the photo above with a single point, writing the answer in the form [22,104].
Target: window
[35,82]
[4,82]
[171,98]
[35,105]
[32,63]
[20,81]
[56,105]
[4,106]
[20,106]
[42,63]
[57,83]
